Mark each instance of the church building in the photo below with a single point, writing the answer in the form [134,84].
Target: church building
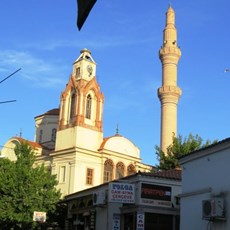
[69,140]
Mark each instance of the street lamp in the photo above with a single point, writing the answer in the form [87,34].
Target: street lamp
[227,70]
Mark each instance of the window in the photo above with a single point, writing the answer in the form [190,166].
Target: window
[120,170]
[131,170]
[78,71]
[40,136]
[72,106]
[88,107]
[108,170]
[62,173]
[89,176]
[53,135]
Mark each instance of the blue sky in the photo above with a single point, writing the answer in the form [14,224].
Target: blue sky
[124,37]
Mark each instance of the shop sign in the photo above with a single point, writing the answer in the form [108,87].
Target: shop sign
[116,221]
[155,195]
[39,217]
[140,221]
[121,192]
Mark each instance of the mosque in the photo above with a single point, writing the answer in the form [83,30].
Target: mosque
[69,140]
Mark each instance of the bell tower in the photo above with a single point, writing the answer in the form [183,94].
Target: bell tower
[169,93]
[81,107]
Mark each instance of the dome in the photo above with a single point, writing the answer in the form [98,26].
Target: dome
[52,112]
[120,144]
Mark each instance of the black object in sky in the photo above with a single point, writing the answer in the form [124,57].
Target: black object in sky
[84,8]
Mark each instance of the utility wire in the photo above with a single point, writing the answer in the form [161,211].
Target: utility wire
[1,102]
[10,75]
[6,79]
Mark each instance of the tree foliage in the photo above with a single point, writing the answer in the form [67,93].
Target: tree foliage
[179,147]
[25,189]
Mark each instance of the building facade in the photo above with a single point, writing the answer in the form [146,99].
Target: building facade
[142,201]
[69,140]
[206,188]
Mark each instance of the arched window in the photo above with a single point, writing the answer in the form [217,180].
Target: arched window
[131,170]
[81,204]
[78,71]
[108,170]
[53,134]
[72,106]
[120,170]
[90,203]
[40,136]
[88,106]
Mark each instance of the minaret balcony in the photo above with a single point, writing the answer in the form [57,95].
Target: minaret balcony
[170,50]
[169,92]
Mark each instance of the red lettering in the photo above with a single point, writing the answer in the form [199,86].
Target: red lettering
[154,192]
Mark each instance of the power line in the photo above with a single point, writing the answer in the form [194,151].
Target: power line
[6,79]
[1,102]
[10,75]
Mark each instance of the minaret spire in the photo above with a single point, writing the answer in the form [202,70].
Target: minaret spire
[169,92]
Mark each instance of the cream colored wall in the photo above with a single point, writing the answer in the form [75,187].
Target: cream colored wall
[143,167]
[8,150]
[78,136]
[84,74]
[46,123]
[76,162]
[84,161]
[63,185]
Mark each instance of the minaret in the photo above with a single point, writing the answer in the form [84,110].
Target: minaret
[169,92]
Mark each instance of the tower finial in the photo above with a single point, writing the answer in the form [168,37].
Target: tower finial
[20,134]
[117,130]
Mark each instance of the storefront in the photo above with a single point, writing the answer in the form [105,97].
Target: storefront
[142,201]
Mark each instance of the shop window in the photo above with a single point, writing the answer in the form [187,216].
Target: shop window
[108,170]
[159,221]
[89,176]
[129,221]
[120,170]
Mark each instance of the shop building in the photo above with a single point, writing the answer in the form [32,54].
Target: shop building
[142,201]
[209,196]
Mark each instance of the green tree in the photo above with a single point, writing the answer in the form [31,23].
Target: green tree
[25,189]
[179,147]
